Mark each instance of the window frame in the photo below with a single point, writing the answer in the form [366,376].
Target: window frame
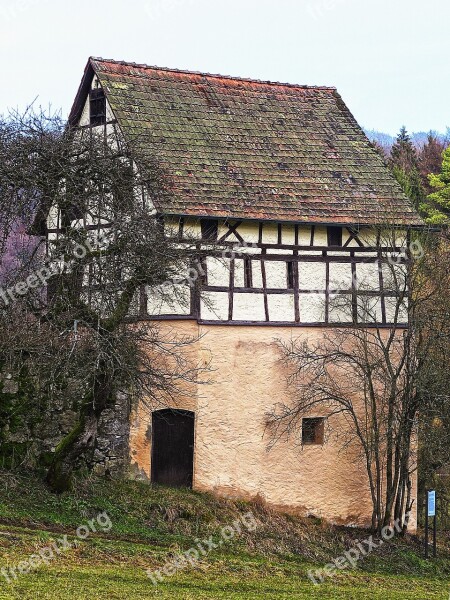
[97,107]
[334,234]
[209,229]
[318,430]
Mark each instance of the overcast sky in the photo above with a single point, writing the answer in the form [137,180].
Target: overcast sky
[389,59]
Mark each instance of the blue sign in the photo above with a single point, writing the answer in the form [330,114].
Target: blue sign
[431,504]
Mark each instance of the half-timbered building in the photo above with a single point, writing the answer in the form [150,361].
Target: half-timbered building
[281,188]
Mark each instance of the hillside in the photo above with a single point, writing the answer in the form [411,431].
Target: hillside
[244,550]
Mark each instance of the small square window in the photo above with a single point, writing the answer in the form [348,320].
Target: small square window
[313,431]
[210,229]
[334,236]
[97,106]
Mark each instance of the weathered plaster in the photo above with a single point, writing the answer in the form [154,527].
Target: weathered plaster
[231,447]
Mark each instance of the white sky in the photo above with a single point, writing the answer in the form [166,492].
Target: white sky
[389,59]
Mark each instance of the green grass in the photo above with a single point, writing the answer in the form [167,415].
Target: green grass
[152,524]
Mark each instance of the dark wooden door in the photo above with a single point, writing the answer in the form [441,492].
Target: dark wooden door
[173,447]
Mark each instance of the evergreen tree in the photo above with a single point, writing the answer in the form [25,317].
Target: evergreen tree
[404,164]
[436,207]
[403,153]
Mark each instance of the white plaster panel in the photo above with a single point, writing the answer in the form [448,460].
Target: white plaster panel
[185,271]
[340,308]
[367,275]
[257,274]
[366,254]
[248,307]
[401,238]
[391,307]
[288,234]
[346,234]
[394,277]
[170,300]
[281,307]
[192,229]
[270,233]
[279,251]
[171,226]
[304,236]
[222,229]
[320,236]
[337,253]
[148,202]
[85,116]
[368,236]
[218,270]
[276,274]
[311,276]
[239,272]
[312,308]
[53,218]
[340,276]
[247,250]
[214,306]
[249,232]
[109,112]
[369,310]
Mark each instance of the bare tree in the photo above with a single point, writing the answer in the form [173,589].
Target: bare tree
[380,379]
[101,248]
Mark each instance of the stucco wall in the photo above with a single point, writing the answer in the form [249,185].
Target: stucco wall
[231,456]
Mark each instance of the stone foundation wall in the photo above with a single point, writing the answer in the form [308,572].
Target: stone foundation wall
[30,430]
[111,455]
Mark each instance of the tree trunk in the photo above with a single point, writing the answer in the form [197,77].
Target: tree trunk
[76,444]
[83,436]
[408,507]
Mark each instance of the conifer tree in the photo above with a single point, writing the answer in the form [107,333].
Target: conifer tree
[404,164]
[403,153]
[436,207]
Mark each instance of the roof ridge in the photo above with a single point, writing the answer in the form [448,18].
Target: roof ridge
[214,75]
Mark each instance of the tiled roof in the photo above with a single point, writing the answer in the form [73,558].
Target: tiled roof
[251,149]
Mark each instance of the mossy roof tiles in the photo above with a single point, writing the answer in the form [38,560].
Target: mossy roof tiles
[240,148]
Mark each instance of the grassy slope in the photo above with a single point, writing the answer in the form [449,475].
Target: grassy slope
[151,524]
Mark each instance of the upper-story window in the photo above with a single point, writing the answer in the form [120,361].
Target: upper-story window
[210,229]
[334,236]
[97,107]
